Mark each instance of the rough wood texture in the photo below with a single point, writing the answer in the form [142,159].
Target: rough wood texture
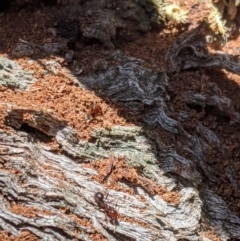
[156,191]
[63,193]
[189,51]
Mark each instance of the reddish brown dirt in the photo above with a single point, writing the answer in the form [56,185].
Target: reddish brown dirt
[26,211]
[58,95]
[212,236]
[25,236]
[112,170]
[85,111]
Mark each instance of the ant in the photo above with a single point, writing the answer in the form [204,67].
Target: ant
[111,212]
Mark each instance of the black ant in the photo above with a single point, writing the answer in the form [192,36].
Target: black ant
[111,212]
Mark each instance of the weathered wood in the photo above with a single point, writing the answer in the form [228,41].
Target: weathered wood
[53,182]
[189,51]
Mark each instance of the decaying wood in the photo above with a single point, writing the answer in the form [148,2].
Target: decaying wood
[189,51]
[63,192]
[60,188]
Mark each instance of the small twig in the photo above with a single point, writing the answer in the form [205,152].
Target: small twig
[111,159]
[32,45]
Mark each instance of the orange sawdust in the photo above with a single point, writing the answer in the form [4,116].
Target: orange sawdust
[53,172]
[83,222]
[3,112]
[25,236]
[212,236]
[26,211]
[112,170]
[80,220]
[111,184]
[54,146]
[133,220]
[15,172]
[97,237]
[59,96]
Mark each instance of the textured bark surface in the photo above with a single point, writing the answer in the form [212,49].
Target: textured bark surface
[49,183]
[60,188]
[189,51]
[151,168]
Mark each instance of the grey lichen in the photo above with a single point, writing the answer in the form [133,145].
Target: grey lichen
[13,76]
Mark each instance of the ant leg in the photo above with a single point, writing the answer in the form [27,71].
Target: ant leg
[110,167]
[106,219]
[114,231]
[106,195]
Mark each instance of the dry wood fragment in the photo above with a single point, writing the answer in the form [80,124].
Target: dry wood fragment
[189,51]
